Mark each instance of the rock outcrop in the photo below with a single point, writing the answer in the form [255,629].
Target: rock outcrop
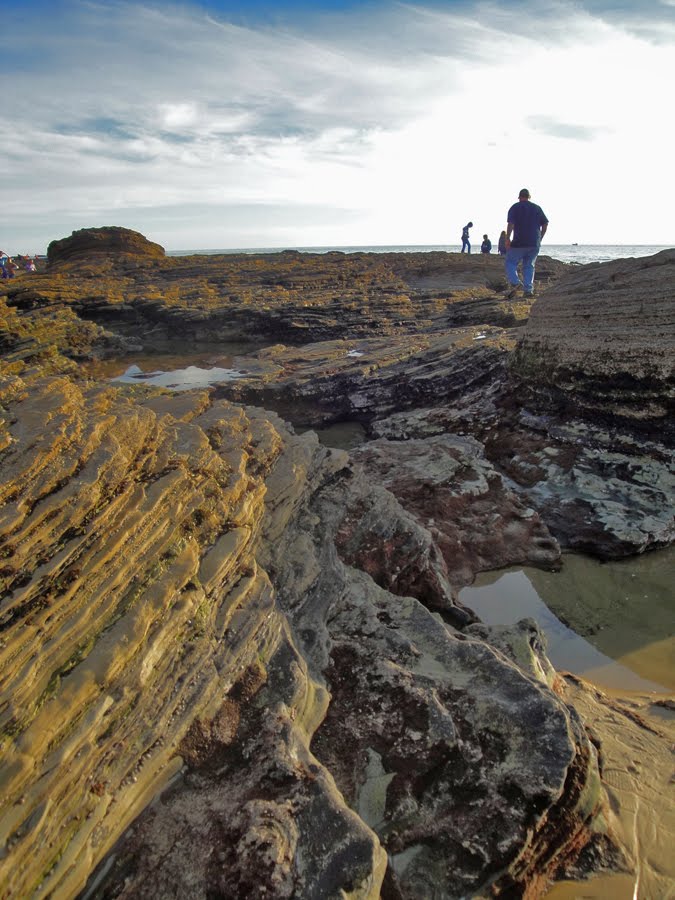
[174,607]
[236,657]
[475,521]
[601,343]
[124,281]
[92,243]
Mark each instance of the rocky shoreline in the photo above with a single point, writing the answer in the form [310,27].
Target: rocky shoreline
[233,661]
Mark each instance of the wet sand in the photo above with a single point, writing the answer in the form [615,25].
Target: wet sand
[636,739]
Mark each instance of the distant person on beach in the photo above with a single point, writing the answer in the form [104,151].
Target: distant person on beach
[9,267]
[486,246]
[465,237]
[501,246]
[527,224]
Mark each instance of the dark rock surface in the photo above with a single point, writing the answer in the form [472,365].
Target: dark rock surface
[476,522]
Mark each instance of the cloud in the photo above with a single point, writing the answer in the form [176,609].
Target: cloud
[554,128]
[403,114]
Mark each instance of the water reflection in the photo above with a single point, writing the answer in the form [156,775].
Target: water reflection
[171,363]
[613,623]
[179,379]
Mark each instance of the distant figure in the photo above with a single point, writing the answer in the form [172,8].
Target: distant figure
[465,237]
[501,246]
[486,246]
[30,266]
[527,223]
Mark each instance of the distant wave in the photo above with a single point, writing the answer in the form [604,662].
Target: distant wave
[572,253]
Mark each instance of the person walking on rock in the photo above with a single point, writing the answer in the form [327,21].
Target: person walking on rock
[465,237]
[525,228]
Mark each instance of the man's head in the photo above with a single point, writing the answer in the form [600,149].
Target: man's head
[524,194]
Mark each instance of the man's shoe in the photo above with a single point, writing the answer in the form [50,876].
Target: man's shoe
[529,295]
[513,293]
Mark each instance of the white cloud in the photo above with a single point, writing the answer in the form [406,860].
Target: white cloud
[390,125]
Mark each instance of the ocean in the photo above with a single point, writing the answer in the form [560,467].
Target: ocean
[570,253]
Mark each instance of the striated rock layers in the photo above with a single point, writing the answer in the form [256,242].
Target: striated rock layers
[601,342]
[592,456]
[175,611]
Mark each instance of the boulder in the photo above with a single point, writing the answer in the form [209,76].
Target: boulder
[93,243]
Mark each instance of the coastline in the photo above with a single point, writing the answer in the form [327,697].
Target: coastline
[581,254]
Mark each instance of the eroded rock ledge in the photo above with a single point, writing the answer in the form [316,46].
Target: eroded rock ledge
[602,342]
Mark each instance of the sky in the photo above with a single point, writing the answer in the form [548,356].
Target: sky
[260,124]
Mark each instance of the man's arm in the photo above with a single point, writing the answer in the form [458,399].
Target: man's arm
[509,231]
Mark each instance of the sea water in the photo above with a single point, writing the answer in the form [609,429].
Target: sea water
[569,253]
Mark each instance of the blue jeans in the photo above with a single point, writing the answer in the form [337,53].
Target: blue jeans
[465,243]
[514,255]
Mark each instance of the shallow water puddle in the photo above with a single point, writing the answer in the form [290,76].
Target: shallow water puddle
[341,435]
[198,368]
[613,623]
[179,379]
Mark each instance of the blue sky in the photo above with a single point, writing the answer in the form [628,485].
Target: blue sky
[217,124]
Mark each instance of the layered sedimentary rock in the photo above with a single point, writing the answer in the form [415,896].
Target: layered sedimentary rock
[173,603]
[601,342]
[368,378]
[248,647]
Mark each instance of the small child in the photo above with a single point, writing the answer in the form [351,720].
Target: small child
[486,246]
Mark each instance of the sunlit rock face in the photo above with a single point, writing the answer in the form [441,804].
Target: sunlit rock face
[90,243]
[174,608]
[601,343]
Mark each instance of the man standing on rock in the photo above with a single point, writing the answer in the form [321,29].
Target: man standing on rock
[527,223]
[466,244]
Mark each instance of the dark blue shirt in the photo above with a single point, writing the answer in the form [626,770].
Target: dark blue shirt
[527,219]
